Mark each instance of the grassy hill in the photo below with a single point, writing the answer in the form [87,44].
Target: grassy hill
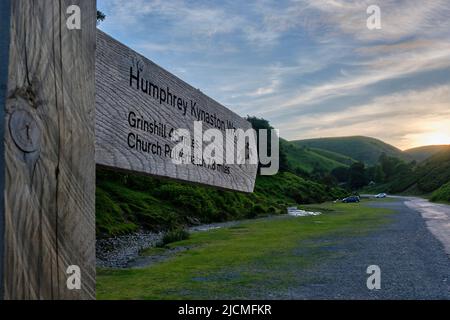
[434,172]
[429,176]
[313,159]
[365,149]
[422,153]
[128,202]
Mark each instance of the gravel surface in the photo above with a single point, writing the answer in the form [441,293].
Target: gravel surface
[437,218]
[123,251]
[414,264]
[117,252]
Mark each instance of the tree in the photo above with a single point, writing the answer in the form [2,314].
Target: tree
[392,167]
[341,174]
[100,16]
[328,180]
[378,174]
[375,173]
[260,123]
[388,165]
[357,175]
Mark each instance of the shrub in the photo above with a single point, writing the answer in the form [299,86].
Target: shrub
[442,194]
[174,235]
[273,210]
[258,209]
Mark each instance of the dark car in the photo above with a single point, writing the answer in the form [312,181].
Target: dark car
[351,199]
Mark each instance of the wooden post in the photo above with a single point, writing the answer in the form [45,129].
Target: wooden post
[5,13]
[49,143]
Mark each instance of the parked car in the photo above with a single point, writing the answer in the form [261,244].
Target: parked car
[351,199]
[381,195]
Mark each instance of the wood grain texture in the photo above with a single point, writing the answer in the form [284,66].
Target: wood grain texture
[5,15]
[49,142]
[118,94]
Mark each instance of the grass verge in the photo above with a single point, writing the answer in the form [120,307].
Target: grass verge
[245,261]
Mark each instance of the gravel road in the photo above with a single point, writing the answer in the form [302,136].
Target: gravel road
[413,262]
[412,251]
[437,218]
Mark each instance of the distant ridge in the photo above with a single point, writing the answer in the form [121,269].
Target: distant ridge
[360,148]
[422,153]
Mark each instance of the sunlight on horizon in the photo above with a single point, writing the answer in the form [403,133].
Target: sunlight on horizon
[433,134]
[435,138]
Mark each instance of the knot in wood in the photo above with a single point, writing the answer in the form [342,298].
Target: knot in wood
[24,131]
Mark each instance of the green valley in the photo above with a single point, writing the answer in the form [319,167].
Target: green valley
[311,171]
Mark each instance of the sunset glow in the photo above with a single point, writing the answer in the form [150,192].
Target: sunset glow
[434,138]
[329,78]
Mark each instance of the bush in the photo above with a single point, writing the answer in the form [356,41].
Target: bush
[259,209]
[273,210]
[256,210]
[174,236]
[442,194]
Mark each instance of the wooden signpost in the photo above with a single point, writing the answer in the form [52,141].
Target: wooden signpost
[138,107]
[54,98]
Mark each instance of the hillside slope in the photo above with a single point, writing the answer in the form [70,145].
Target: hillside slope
[365,149]
[312,159]
[428,177]
[434,172]
[340,158]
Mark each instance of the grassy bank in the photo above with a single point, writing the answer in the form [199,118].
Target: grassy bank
[247,260]
[125,203]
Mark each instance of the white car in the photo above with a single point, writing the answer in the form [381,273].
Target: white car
[381,195]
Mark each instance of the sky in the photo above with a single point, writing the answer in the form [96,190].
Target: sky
[312,68]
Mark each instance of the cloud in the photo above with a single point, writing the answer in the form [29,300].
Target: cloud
[299,59]
[400,18]
[180,16]
[262,91]
[380,68]
[398,118]
[263,23]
